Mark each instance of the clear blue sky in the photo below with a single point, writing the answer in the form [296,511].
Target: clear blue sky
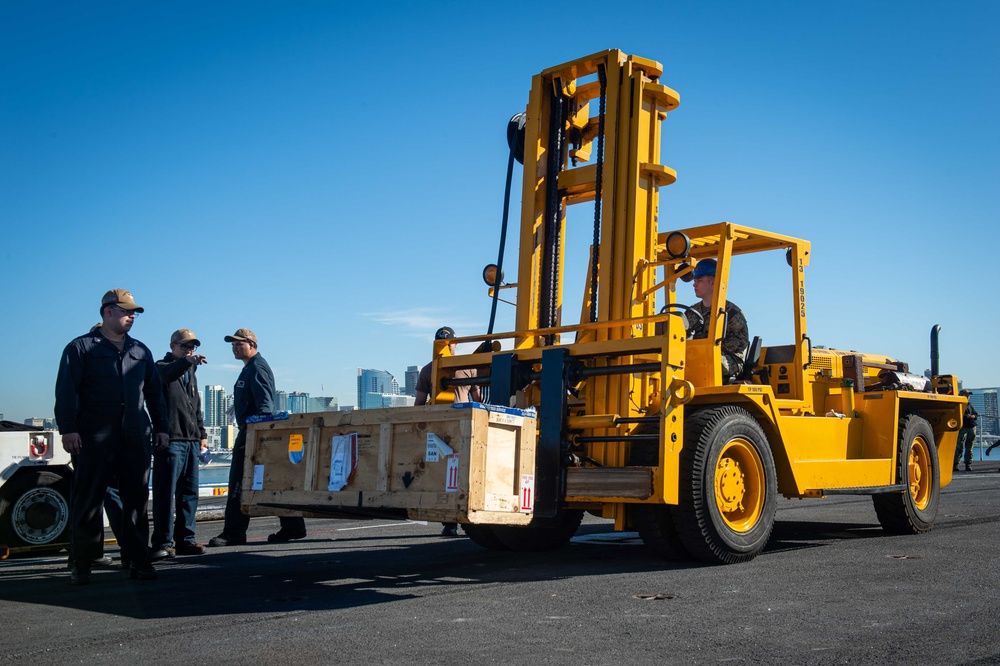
[330,175]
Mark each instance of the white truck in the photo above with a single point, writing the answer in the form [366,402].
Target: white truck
[35,476]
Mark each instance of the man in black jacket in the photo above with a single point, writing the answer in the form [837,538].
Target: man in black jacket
[253,395]
[175,469]
[106,381]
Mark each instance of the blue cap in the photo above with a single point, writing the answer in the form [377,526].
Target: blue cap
[444,333]
[704,267]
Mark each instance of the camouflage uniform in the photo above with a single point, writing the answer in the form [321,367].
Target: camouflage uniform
[734,345]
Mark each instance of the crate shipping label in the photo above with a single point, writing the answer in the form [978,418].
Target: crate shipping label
[436,449]
[527,493]
[258,478]
[451,485]
[506,419]
[343,460]
[295,448]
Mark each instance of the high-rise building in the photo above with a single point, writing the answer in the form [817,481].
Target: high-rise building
[322,404]
[373,386]
[298,402]
[214,436]
[280,401]
[214,406]
[397,400]
[412,372]
[984,401]
[228,436]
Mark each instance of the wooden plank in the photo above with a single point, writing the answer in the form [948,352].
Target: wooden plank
[312,456]
[384,456]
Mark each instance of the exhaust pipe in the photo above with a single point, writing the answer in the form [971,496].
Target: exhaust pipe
[935,356]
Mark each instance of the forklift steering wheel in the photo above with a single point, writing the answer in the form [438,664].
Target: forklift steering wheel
[692,318]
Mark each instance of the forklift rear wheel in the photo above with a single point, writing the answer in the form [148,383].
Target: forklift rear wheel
[727,486]
[483,535]
[536,538]
[654,522]
[915,509]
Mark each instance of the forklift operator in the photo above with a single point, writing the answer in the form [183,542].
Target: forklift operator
[736,339]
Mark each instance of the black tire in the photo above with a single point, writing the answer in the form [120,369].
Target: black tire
[914,510]
[537,538]
[483,535]
[728,486]
[34,511]
[656,528]
[654,522]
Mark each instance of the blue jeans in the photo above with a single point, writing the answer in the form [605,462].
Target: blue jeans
[175,493]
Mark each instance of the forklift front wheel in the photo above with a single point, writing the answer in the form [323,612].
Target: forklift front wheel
[728,486]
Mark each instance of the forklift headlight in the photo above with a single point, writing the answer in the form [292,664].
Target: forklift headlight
[491,277]
[678,245]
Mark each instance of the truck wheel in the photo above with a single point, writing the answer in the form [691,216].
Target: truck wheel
[653,522]
[483,535]
[727,486]
[34,511]
[536,538]
[914,510]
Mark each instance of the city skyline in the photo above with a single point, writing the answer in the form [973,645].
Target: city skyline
[216,400]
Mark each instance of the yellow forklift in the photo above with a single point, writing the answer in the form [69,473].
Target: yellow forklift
[625,413]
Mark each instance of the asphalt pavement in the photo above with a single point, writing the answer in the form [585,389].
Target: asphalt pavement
[830,588]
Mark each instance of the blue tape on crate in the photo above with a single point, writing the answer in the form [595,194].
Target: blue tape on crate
[529,412]
[280,416]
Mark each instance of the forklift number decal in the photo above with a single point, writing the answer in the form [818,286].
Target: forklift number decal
[452,484]
[527,493]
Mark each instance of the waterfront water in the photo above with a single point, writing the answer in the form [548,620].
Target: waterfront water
[978,451]
[213,474]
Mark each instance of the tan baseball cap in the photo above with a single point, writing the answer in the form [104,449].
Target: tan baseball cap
[182,335]
[242,335]
[122,298]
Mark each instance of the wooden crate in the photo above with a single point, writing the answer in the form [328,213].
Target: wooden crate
[400,469]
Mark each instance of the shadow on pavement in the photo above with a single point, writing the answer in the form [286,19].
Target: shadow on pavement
[350,571]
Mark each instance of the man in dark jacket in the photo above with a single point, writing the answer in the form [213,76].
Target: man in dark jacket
[253,395]
[106,381]
[175,469]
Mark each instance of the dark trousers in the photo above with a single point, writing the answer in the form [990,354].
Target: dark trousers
[966,438]
[98,466]
[113,509]
[175,493]
[236,522]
